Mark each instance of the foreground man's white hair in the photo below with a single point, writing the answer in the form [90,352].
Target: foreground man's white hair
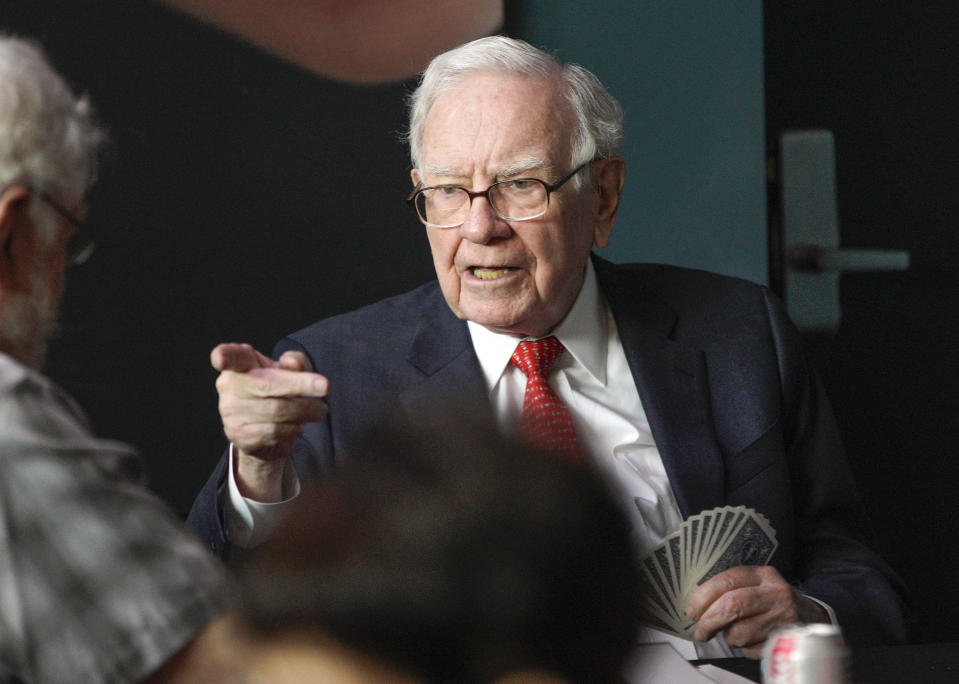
[48,136]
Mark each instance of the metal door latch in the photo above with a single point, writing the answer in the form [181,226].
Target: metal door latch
[812,258]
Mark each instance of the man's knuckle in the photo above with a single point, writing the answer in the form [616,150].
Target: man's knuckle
[732,606]
[271,432]
[734,635]
[287,411]
[273,410]
[242,436]
[767,573]
[263,386]
[786,613]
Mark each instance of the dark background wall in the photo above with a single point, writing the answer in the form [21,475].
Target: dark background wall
[884,78]
[241,199]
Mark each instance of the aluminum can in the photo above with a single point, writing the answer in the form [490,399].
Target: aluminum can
[806,654]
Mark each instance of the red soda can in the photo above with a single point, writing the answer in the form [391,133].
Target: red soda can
[806,654]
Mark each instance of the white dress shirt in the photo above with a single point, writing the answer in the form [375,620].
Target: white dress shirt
[594,381]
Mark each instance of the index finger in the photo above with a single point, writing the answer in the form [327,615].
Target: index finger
[709,591]
[238,357]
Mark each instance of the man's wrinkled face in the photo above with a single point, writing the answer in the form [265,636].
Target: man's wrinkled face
[29,311]
[27,318]
[518,277]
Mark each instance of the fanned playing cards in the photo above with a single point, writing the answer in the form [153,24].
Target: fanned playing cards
[704,545]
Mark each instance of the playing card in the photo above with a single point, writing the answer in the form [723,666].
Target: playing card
[752,545]
[702,546]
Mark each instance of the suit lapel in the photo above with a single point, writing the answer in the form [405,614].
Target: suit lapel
[671,379]
[446,377]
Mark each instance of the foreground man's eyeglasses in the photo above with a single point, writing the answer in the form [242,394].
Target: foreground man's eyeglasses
[80,246]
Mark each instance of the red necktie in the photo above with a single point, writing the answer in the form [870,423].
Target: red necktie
[546,420]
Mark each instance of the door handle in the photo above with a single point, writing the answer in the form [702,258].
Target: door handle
[812,258]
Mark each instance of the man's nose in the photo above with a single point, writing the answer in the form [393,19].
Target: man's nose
[482,224]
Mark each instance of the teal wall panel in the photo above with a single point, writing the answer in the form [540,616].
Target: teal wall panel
[689,76]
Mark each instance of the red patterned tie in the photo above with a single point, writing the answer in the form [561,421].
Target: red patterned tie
[546,420]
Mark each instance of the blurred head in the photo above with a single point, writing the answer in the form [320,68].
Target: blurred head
[498,109]
[48,153]
[455,556]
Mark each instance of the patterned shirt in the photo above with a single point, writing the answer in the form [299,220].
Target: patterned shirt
[99,581]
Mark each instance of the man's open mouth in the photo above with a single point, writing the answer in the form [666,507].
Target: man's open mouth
[489,273]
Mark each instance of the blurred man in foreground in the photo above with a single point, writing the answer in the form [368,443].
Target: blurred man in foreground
[98,581]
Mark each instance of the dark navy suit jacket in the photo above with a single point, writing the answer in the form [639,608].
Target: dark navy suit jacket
[737,413]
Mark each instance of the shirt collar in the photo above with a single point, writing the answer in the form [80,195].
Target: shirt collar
[583,333]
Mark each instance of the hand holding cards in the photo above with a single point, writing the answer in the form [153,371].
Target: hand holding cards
[703,546]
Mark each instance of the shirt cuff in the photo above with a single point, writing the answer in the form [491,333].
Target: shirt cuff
[249,522]
[826,607]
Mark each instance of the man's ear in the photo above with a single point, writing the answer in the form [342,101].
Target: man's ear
[607,177]
[16,232]
[415,176]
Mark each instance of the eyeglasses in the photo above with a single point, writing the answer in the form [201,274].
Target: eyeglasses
[516,199]
[80,246]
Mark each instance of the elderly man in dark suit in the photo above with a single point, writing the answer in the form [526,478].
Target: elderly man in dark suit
[688,390]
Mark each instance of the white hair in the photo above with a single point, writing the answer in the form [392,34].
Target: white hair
[598,116]
[49,138]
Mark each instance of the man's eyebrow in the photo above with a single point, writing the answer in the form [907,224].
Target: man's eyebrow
[523,165]
[445,171]
[518,167]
